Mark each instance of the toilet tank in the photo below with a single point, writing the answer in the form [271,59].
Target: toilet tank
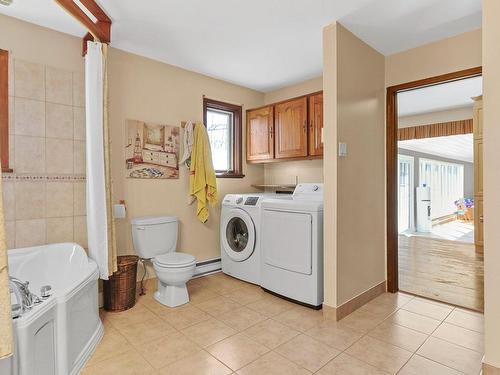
[154,235]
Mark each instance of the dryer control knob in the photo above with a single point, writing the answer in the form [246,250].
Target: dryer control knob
[239,200]
[315,188]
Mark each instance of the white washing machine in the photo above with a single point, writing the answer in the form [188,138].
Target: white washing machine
[239,236]
[292,245]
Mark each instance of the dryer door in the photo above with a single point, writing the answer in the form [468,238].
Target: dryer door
[238,235]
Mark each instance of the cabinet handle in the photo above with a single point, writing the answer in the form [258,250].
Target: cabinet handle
[481,219]
[305,126]
[271,132]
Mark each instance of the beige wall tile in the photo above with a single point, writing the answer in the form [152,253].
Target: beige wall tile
[79,199]
[9,200]
[10,234]
[78,89]
[30,200]
[59,156]
[79,157]
[29,80]
[80,231]
[79,123]
[30,233]
[30,154]
[29,117]
[60,229]
[59,121]
[59,86]
[59,199]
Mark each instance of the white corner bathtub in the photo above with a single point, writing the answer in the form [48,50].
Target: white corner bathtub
[57,336]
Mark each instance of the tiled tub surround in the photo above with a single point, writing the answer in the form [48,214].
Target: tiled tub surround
[45,197]
[232,327]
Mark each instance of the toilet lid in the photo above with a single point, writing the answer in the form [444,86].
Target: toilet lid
[174,259]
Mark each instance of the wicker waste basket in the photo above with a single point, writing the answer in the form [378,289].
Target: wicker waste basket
[119,290]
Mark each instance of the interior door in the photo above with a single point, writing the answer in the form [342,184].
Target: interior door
[287,240]
[316,124]
[291,128]
[260,129]
[478,174]
[405,193]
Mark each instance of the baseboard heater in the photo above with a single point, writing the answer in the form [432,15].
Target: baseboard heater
[207,267]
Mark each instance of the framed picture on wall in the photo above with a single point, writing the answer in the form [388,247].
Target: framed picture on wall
[152,150]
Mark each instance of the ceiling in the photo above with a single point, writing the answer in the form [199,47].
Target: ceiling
[392,26]
[457,147]
[440,97]
[260,44]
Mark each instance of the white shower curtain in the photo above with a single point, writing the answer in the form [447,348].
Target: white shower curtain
[98,223]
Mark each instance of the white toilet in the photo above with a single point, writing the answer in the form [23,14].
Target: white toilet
[155,238]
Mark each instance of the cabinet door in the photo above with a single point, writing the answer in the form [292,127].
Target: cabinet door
[478,222]
[260,128]
[316,124]
[291,128]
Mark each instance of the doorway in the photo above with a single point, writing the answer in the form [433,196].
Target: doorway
[430,198]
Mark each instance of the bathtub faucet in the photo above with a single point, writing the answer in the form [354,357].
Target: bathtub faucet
[26,299]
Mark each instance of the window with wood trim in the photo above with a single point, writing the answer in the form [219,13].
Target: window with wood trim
[223,122]
[4,110]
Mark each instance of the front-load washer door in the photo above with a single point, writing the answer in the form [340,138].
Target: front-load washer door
[238,235]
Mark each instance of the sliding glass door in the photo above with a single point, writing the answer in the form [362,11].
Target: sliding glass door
[405,193]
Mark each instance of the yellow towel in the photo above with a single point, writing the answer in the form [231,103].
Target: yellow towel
[202,181]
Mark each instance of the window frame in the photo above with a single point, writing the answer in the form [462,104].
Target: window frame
[237,111]
[4,111]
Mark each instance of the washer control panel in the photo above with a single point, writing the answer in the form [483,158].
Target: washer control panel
[251,201]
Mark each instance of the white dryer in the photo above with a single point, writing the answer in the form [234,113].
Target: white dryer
[239,236]
[292,245]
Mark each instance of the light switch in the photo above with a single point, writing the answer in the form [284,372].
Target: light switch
[342,149]
[119,211]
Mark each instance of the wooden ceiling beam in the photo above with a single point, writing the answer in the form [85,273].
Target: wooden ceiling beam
[101,29]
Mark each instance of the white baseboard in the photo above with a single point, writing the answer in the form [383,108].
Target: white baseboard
[204,268]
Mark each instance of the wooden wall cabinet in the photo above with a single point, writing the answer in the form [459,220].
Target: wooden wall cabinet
[288,130]
[291,128]
[260,134]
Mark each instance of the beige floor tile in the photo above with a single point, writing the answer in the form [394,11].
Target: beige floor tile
[144,331]
[363,320]
[237,351]
[271,333]
[300,318]
[377,353]
[128,363]
[183,316]
[241,318]
[222,284]
[198,294]
[271,306]
[418,365]
[166,350]
[307,352]
[466,319]
[346,365]
[393,299]
[200,363]
[208,332]
[245,295]
[272,364]
[134,315]
[414,321]
[398,335]
[425,308]
[451,355]
[104,319]
[335,334]
[218,306]
[112,345]
[461,336]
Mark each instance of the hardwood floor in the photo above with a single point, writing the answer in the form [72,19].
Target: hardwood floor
[447,271]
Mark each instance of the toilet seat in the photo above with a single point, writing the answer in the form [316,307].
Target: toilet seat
[174,260]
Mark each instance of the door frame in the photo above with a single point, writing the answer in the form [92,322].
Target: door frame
[392,160]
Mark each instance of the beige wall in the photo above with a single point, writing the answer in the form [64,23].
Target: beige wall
[143,89]
[435,117]
[491,116]
[306,170]
[45,196]
[448,55]
[354,85]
